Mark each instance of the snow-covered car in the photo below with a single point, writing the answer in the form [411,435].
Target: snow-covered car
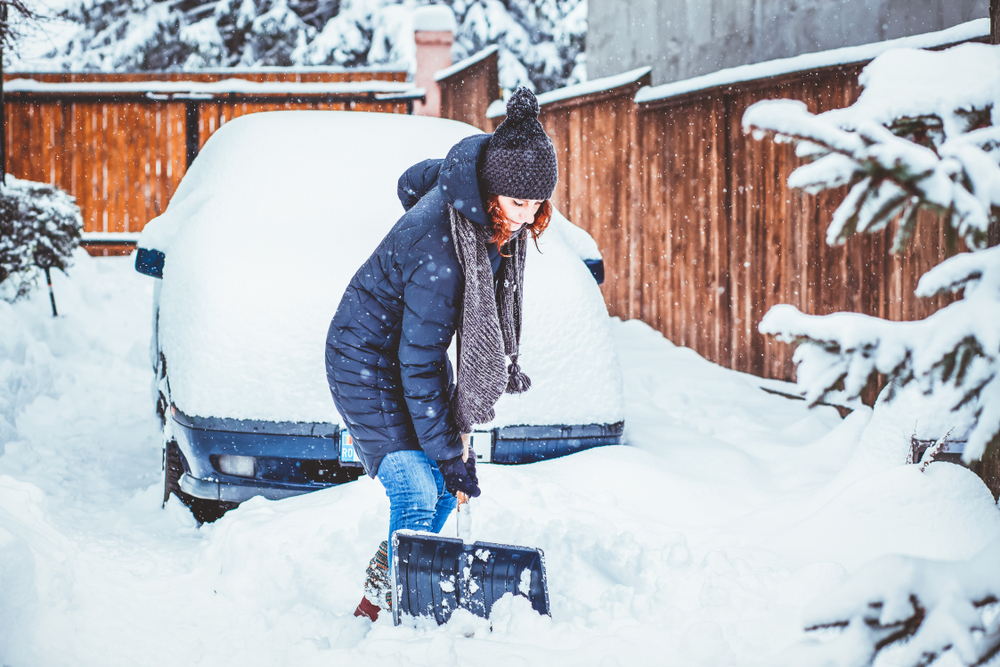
[254,252]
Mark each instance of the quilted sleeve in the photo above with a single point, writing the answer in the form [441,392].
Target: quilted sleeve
[417,181]
[431,303]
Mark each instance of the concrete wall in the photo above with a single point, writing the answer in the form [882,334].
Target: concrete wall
[685,38]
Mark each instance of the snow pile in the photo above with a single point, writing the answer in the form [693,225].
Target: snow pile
[268,227]
[90,361]
[705,540]
[934,607]
[541,41]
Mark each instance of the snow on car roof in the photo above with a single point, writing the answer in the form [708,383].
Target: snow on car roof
[269,225]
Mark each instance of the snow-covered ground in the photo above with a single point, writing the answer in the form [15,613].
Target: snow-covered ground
[698,543]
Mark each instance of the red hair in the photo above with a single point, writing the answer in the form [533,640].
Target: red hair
[501,233]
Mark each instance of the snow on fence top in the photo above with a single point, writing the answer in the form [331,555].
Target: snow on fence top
[809,61]
[109,237]
[434,18]
[499,107]
[463,64]
[236,85]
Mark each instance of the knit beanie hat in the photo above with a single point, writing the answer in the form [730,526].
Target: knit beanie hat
[520,160]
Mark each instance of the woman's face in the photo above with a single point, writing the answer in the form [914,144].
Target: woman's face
[518,212]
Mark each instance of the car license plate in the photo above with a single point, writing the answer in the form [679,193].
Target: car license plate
[482,445]
[347,452]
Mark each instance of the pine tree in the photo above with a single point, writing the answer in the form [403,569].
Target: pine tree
[541,41]
[924,134]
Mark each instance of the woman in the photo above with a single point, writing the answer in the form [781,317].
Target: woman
[453,263]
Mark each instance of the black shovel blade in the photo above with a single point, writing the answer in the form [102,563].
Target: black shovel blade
[433,576]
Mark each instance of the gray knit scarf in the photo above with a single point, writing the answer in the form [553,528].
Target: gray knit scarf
[490,326]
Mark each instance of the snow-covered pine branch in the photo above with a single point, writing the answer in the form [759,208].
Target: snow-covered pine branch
[958,345]
[925,607]
[924,134]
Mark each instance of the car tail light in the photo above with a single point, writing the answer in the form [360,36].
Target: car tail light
[240,466]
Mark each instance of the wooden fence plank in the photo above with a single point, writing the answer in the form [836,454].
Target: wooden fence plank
[122,159]
[118,176]
[88,149]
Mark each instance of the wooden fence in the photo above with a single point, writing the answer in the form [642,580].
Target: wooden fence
[121,149]
[468,88]
[701,234]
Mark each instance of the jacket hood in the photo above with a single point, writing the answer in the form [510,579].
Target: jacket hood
[459,177]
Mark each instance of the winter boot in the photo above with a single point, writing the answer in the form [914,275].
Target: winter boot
[378,590]
[367,609]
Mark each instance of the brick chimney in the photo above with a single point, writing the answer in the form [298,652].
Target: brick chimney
[433,32]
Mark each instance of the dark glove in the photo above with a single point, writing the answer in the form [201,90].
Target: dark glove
[460,475]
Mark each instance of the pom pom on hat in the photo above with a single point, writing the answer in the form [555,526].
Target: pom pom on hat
[522,106]
[520,159]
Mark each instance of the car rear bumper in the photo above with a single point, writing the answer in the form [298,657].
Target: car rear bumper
[209,489]
[294,458]
[290,458]
[527,444]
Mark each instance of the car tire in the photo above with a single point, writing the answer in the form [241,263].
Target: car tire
[204,511]
[172,471]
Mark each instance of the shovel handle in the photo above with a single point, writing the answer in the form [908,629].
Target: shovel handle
[464,516]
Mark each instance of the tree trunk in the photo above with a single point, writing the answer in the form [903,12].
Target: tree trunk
[3,103]
[989,467]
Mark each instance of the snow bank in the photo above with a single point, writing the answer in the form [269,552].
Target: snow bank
[18,579]
[891,507]
[705,540]
[266,230]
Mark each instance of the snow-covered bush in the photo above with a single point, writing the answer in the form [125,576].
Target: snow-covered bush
[39,229]
[924,134]
[541,41]
[926,608]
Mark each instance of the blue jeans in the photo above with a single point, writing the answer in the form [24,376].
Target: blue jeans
[418,499]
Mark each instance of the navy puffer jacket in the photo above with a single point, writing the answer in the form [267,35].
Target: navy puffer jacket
[386,350]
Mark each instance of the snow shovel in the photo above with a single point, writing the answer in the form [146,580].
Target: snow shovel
[434,575]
